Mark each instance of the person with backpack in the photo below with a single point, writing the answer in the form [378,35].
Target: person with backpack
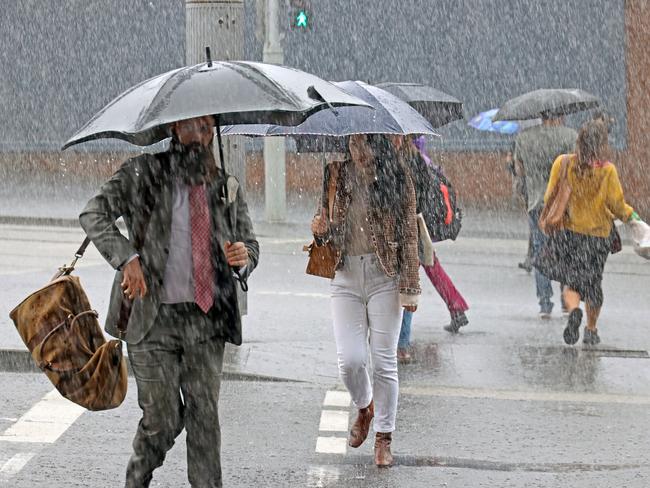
[441,218]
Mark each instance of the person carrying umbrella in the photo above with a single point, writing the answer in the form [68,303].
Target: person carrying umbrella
[190,240]
[181,281]
[576,254]
[374,229]
[535,150]
[370,225]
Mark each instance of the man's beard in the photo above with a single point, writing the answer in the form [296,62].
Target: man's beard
[195,163]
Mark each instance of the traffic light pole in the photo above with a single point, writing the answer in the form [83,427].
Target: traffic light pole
[218,24]
[274,148]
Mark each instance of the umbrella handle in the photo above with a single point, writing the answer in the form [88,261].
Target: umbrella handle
[208,56]
[242,281]
[223,163]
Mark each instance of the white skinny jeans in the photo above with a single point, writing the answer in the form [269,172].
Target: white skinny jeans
[366,309]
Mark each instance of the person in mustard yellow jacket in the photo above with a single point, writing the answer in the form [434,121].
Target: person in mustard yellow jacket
[576,255]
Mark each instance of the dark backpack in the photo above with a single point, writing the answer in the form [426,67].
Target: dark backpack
[437,201]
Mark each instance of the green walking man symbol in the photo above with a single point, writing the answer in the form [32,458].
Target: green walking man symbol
[302,20]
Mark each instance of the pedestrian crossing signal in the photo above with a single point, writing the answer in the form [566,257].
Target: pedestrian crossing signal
[300,14]
[302,20]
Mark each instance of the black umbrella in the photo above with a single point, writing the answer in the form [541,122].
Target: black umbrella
[438,107]
[235,92]
[546,103]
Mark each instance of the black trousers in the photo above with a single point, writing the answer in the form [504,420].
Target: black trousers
[177,369]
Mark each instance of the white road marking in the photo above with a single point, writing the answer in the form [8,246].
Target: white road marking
[272,240]
[322,476]
[45,422]
[293,294]
[528,396]
[334,398]
[15,464]
[334,421]
[331,445]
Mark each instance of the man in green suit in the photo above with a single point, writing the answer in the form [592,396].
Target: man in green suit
[190,241]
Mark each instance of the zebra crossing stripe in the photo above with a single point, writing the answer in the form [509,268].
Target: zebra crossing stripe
[45,422]
[333,420]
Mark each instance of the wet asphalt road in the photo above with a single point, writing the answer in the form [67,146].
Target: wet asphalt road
[503,404]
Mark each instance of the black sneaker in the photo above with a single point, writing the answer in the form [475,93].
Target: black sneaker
[458,320]
[572,330]
[591,337]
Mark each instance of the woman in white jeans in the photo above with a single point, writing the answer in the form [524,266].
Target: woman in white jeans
[371,222]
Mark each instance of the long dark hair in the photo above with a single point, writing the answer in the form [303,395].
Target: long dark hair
[389,187]
[389,190]
[592,144]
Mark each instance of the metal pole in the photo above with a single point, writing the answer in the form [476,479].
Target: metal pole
[218,24]
[274,148]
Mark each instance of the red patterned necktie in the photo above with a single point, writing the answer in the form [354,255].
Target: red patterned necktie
[201,248]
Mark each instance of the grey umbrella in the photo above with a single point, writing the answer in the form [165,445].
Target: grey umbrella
[542,103]
[438,107]
[322,131]
[235,92]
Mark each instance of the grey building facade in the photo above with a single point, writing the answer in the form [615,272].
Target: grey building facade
[61,61]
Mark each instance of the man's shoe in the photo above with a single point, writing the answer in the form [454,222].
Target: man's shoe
[591,337]
[458,320]
[383,456]
[545,310]
[361,426]
[526,266]
[572,330]
[404,356]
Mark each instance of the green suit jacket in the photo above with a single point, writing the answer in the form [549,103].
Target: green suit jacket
[141,193]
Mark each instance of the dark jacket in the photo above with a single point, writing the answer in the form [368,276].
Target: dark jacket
[141,192]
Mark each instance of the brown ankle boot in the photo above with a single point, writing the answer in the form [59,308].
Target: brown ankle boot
[383,456]
[361,426]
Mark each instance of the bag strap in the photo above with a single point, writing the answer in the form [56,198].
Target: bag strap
[331,188]
[564,173]
[65,270]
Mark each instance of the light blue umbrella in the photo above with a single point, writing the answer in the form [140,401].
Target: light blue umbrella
[484,121]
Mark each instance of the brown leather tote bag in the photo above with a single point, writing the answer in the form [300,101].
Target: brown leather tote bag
[324,257]
[61,330]
[552,217]
[322,260]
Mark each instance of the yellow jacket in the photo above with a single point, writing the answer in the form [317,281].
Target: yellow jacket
[596,197]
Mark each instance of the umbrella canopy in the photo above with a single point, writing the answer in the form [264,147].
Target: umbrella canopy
[546,103]
[235,92]
[438,107]
[485,121]
[391,116]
